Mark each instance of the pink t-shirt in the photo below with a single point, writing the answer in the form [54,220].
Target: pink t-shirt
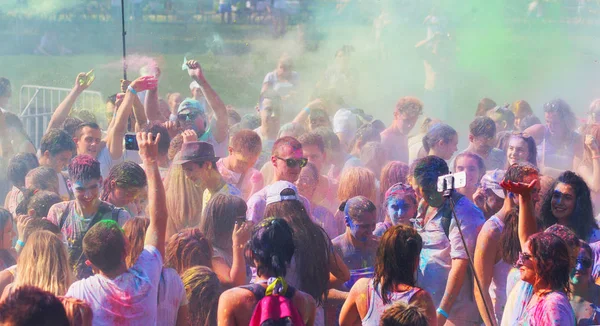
[251,181]
[130,298]
[552,309]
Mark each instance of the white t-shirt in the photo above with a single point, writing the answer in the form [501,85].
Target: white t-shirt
[171,297]
[107,162]
[129,299]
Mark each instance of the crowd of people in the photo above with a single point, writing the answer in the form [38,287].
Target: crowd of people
[184,212]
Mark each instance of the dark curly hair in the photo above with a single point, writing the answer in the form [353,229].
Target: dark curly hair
[582,218]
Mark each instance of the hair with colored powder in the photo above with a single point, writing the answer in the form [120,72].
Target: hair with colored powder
[18,167]
[438,132]
[509,238]
[397,260]
[330,139]
[46,263]
[105,246]
[393,172]
[42,178]
[78,311]
[37,201]
[87,116]
[357,181]
[482,127]
[56,141]
[285,141]
[484,105]
[552,263]
[401,314]
[135,233]
[188,248]
[30,305]
[246,140]
[312,244]
[203,290]
[373,156]
[309,174]
[582,219]
[271,247]
[84,168]
[126,175]
[356,206]
[218,219]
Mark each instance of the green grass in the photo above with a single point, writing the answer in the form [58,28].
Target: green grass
[503,61]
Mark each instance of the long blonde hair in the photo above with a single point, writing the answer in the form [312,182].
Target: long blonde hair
[44,263]
[183,204]
[357,181]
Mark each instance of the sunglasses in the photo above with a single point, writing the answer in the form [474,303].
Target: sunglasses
[586,263]
[292,163]
[187,117]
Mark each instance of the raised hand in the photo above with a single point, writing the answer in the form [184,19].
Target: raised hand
[241,234]
[194,69]
[144,83]
[172,128]
[148,146]
[189,136]
[22,221]
[84,80]
[520,188]
[592,144]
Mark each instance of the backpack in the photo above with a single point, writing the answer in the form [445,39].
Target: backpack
[274,309]
[75,249]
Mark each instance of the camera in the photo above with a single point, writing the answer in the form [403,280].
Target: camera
[452,181]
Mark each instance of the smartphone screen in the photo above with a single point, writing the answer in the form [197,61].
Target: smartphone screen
[131,142]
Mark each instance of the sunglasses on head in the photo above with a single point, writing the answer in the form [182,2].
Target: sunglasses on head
[292,163]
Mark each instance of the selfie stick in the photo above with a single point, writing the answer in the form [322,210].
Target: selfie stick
[448,190]
[123,35]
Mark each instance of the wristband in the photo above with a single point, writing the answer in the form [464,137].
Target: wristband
[306,109]
[442,312]
[20,243]
[133,91]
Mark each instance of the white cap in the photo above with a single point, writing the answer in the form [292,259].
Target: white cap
[274,192]
[491,180]
[194,84]
[345,122]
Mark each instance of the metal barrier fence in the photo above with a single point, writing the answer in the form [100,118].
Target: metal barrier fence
[37,103]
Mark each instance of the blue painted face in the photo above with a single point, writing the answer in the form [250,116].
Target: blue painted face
[401,210]
[360,231]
